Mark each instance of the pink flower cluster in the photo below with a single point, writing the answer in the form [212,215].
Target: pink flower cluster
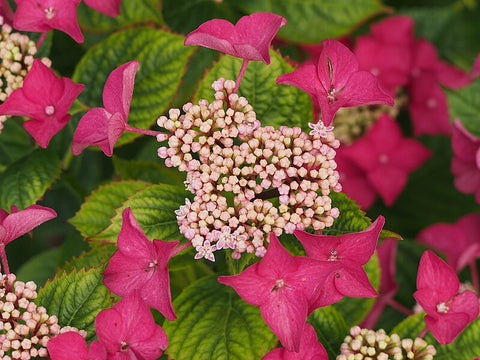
[288,164]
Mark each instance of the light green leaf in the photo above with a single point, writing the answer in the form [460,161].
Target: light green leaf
[147,171]
[154,208]
[97,256]
[76,299]
[331,329]
[351,218]
[98,209]
[162,59]
[213,323]
[39,268]
[315,20]
[464,104]
[274,104]
[26,180]
[131,12]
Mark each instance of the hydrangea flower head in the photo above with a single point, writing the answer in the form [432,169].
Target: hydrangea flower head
[350,252]
[107,7]
[141,265]
[104,126]
[448,311]
[45,15]
[335,81]
[283,287]
[249,38]
[45,99]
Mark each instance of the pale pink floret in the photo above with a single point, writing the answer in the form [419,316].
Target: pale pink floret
[108,7]
[249,39]
[104,126]
[45,15]
[448,310]
[45,99]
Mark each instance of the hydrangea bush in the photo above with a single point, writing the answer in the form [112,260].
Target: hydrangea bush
[239,180]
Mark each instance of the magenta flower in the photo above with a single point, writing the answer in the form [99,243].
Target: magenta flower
[46,99]
[283,287]
[104,126]
[128,331]
[249,38]
[6,12]
[141,265]
[310,348]
[45,15]
[107,7]
[386,157]
[72,345]
[466,160]
[448,311]
[335,81]
[18,223]
[460,242]
[350,252]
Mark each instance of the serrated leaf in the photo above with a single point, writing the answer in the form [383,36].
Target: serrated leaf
[162,59]
[39,268]
[274,104]
[315,20]
[464,104]
[214,323]
[354,310]
[147,171]
[331,329]
[15,142]
[154,208]
[351,218]
[76,299]
[410,327]
[27,179]
[131,12]
[97,256]
[96,212]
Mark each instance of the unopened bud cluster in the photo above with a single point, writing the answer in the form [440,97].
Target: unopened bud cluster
[248,180]
[365,344]
[16,56]
[25,328]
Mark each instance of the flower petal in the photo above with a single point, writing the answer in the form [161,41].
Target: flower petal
[92,130]
[67,346]
[118,89]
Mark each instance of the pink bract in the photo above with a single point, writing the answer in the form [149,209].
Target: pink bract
[6,12]
[71,345]
[249,38]
[107,7]
[283,287]
[104,126]
[350,252]
[129,331]
[45,99]
[310,348]
[466,160]
[386,157]
[142,266]
[334,81]
[45,15]
[448,311]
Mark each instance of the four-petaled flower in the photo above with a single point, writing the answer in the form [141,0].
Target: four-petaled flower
[104,126]
[283,287]
[141,265]
[334,81]
[350,252]
[320,129]
[45,99]
[128,331]
[45,15]
[448,311]
[71,345]
[249,38]
[108,7]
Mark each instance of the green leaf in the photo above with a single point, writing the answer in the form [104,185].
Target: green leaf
[131,12]
[351,218]
[96,212]
[464,104]
[26,180]
[97,256]
[331,329]
[154,208]
[76,299]
[355,309]
[39,268]
[274,104]
[147,171]
[214,323]
[15,143]
[410,327]
[162,59]
[315,20]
